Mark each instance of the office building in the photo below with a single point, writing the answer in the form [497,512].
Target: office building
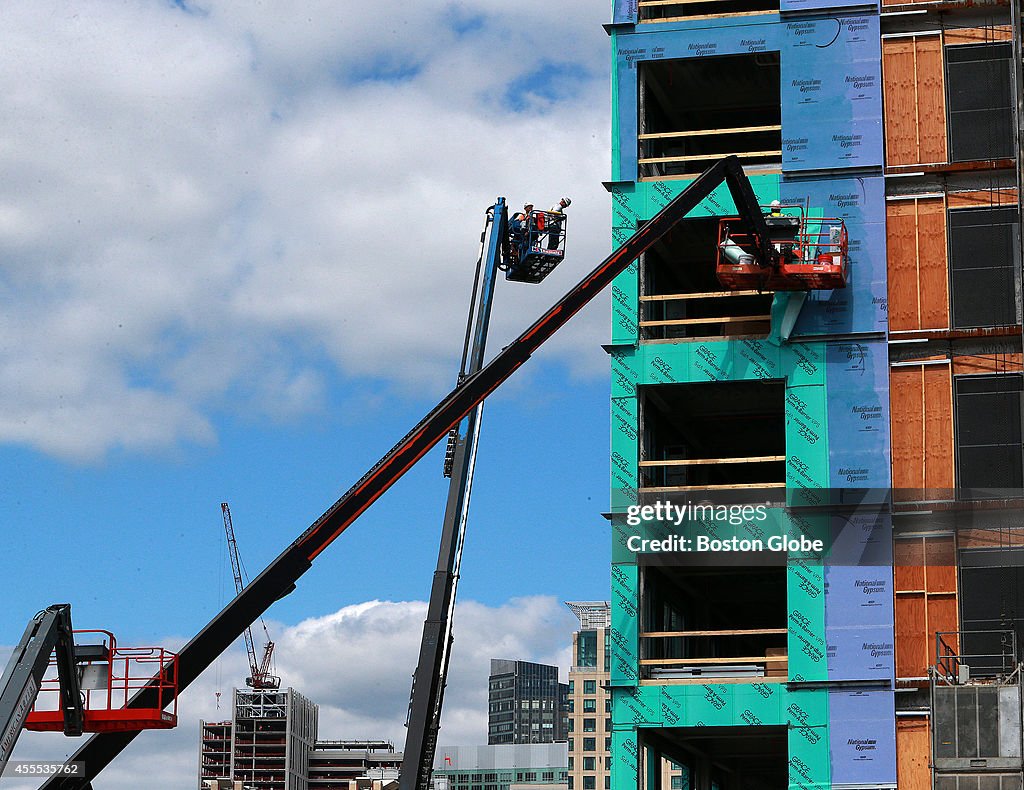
[525,703]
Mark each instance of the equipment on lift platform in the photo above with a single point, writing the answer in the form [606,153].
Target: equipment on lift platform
[784,251]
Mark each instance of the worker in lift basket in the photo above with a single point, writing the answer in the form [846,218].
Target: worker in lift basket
[519,226]
[555,229]
[785,239]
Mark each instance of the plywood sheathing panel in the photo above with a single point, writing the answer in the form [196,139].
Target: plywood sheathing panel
[982,199]
[931,100]
[905,404]
[926,600]
[988,363]
[992,538]
[921,403]
[900,96]
[938,434]
[915,103]
[901,246]
[911,625]
[913,747]
[933,276]
[917,264]
[978,35]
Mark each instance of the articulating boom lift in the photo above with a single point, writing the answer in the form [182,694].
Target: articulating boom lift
[279,578]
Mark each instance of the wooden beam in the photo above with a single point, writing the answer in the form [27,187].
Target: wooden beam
[729,487]
[699,132]
[705,295]
[762,168]
[707,16]
[707,157]
[652,3]
[648,662]
[750,459]
[701,339]
[727,632]
[733,319]
[703,679]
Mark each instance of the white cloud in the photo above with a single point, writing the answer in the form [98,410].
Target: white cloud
[221,206]
[357,665]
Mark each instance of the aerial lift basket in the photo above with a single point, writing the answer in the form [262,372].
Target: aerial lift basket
[812,253]
[110,676]
[537,247]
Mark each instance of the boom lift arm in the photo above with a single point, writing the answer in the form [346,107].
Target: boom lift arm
[430,677]
[279,578]
[48,631]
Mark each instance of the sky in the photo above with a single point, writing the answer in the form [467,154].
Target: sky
[237,242]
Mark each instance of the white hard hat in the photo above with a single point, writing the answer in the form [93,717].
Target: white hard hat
[565,201]
[776,204]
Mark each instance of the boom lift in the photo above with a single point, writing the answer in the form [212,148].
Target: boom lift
[527,251]
[83,688]
[279,578]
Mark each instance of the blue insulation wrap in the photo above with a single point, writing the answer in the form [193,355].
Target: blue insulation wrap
[625,12]
[831,93]
[859,629]
[858,411]
[862,738]
[631,48]
[823,5]
[862,305]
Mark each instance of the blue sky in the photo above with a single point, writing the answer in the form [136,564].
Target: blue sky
[236,250]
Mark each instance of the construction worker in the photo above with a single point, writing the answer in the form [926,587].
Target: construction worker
[519,227]
[555,229]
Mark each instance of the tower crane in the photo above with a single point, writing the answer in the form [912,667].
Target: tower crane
[260,676]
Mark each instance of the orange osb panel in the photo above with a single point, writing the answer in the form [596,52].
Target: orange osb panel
[921,404]
[913,747]
[915,103]
[918,271]
[926,600]
[985,198]
[978,35]
[107,686]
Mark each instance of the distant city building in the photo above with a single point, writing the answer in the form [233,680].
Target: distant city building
[536,766]
[590,702]
[526,703]
[270,743]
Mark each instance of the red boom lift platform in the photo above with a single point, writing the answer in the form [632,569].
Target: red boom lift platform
[109,677]
[804,253]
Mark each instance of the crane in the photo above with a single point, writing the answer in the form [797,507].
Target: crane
[260,676]
[279,578]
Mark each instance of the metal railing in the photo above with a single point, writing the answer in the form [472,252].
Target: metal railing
[956,667]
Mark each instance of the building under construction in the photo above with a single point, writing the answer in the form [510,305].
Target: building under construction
[890,658]
[271,743]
